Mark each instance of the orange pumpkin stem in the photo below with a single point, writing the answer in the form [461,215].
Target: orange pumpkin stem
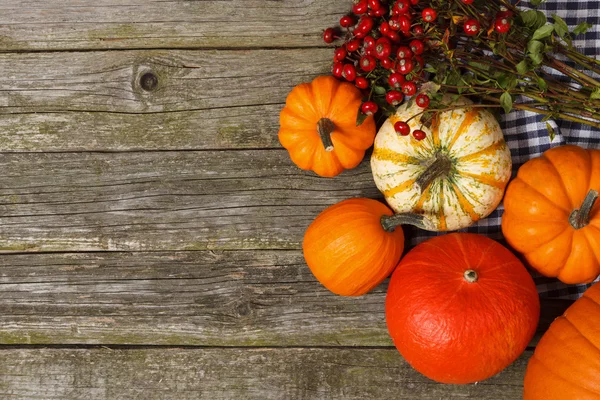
[581,217]
[440,166]
[390,222]
[471,276]
[325,127]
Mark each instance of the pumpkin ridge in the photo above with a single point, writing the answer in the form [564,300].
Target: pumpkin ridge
[568,212]
[560,376]
[466,122]
[566,317]
[391,192]
[441,214]
[595,250]
[393,156]
[492,148]
[562,183]
[483,179]
[465,204]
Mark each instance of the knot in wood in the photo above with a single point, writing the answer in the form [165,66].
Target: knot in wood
[149,81]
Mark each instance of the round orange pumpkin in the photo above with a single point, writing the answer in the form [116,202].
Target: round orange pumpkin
[566,361]
[550,217]
[354,245]
[318,126]
[460,308]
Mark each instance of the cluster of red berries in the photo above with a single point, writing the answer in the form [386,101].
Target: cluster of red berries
[501,22]
[383,51]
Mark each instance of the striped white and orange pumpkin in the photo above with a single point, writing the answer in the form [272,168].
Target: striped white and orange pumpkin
[455,176]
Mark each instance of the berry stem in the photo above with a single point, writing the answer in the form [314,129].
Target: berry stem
[325,127]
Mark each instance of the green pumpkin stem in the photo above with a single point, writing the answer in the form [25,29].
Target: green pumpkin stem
[440,166]
[581,217]
[325,127]
[390,222]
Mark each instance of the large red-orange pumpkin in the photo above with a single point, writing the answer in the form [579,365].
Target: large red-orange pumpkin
[355,244]
[550,216]
[460,308]
[566,361]
[318,126]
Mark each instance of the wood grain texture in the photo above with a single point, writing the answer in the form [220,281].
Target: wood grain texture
[251,199]
[225,374]
[115,24]
[208,298]
[101,81]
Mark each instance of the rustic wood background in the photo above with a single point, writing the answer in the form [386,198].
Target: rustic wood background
[151,224]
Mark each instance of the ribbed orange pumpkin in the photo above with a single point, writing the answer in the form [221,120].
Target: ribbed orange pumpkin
[318,126]
[354,245]
[550,215]
[461,308]
[566,361]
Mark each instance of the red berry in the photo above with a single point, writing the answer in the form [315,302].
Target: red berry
[472,27]
[402,7]
[404,22]
[387,63]
[467,1]
[349,72]
[414,2]
[402,128]
[418,30]
[404,52]
[337,69]
[329,35]
[369,42]
[374,4]
[393,97]
[422,100]
[379,12]
[405,66]
[383,48]
[394,37]
[409,88]
[417,46]
[502,25]
[394,24]
[369,108]
[504,13]
[396,80]
[365,25]
[419,134]
[340,54]
[361,82]
[353,45]
[384,28]
[360,7]
[429,15]
[347,21]
[368,63]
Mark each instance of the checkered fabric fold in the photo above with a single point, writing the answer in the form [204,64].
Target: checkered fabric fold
[527,136]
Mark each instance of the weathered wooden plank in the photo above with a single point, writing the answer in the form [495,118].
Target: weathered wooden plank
[226,298]
[253,199]
[115,24]
[112,81]
[225,374]
[219,128]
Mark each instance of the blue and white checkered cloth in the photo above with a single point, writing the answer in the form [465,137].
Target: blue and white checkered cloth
[527,136]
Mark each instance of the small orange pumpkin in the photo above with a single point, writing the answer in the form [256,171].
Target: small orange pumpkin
[566,361]
[355,244]
[461,308]
[550,217]
[318,126]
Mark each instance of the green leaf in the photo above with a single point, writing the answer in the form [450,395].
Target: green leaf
[430,69]
[595,95]
[551,132]
[543,32]
[506,102]
[528,17]
[540,19]
[379,89]
[523,67]
[360,118]
[542,84]
[581,28]
[534,48]
[560,26]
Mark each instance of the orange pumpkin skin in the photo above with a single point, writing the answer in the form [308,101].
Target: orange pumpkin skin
[347,249]
[566,361]
[451,327]
[327,99]
[538,204]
